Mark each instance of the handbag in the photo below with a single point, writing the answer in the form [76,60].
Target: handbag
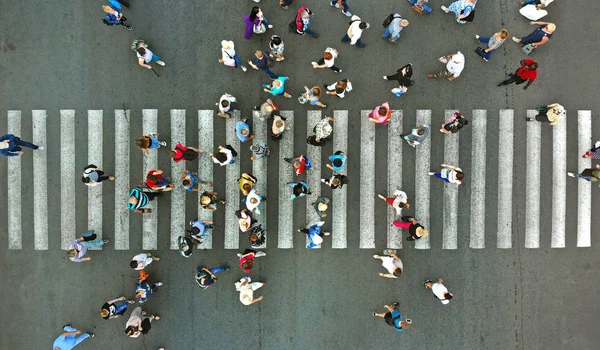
[303,98]
[259,29]
[479,51]
[230,62]
[418,9]
[527,49]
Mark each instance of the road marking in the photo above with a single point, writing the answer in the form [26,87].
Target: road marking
[559,183]
[40,189]
[367,183]
[15,236]
[532,204]
[505,182]
[313,176]
[422,167]
[232,192]
[177,194]
[95,157]
[67,178]
[339,196]
[285,225]
[259,170]
[394,177]
[478,163]
[122,161]
[205,166]
[150,220]
[584,188]
[450,235]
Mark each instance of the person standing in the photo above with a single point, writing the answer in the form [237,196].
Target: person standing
[226,106]
[276,45]
[393,317]
[321,205]
[262,111]
[139,323]
[381,114]
[229,57]
[209,200]
[551,113]
[277,87]
[114,17]
[589,175]
[143,289]
[256,23]
[243,131]
[299,189]
[206,277]
[417,135]
[343,4]
[156,182]
[450,174]
[302,22]
[526,73]
[336,181]
[259,150]
[76,249]
[69,338]
[145,56]
[10,145]
[455,63]
[540,36]
[224,156]
[253,200]
[439,290]
[313,95]
[92,175]
[198,230]
[355,31]
[315,234]
[328,60]
[148,142]
[301,164]
[594,152]
[140,261]
[415,229]
[339,89]
[456,122]
[246,288]
[246,262]
[464,10]
[114,309]
[399,202]
[182,152]
[322,132]
[392,264]
[395,27]
[139,199]
[493,42]
[338,161]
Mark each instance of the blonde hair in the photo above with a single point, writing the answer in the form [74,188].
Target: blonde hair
[551,27]
[108,9]
[504,34]
[71,253]
[424,233]
[104,313]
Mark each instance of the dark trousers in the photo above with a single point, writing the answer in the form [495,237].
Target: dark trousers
[124,3]
[151,195]
[290,160]
[19,142]
[101,176]
[333,68]
[514,79]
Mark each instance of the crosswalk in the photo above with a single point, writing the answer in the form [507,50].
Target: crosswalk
[479,177]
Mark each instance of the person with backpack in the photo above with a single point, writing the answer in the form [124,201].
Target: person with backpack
[381,114]
[259,150]
[247,183]
[227,105]
[185,245]
[156,182]
[224,156]
[277,87]
[338,161]
[256,23]
[328,60]
[114,17]
[10,145]
[343,4]
[336,181]
[92,176]
[394,24]
[264,63]
[229,57]
[149,141]
[302,23]
[456,122]
[402,76]
[76,249]
[139,323]
[112,308]
[464,10]
[262,111]
[190,179]
[355,31]
[315,234]
[182,152]
[551,114]
[276,45]
[209,200]
[143,289]
[393,318]
[206,277]
[198,230]
[144,55]
[339,88]
[277,125]
[256,236]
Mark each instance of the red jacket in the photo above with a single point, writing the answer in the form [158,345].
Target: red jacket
[299,23]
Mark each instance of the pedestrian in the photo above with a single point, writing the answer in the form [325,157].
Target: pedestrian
[393,317]
[403,76]
[338,161]
[139,323]
[450,174]
[322,132]
[455,123]
[312,95]
[209,200]
[392,264]
[246,222]
[526,73]
[114,16]
[417,135]
[246,262]
[224,156]
[140,261]
[455,63]
[463,10]
[259,150]
[139,199]
[355,31]
[198,230]
[256,23]
[534,9]
[277,87]
[149,141]
[144,55]
[343,4]
[190,179]
[92,176]
[114,309]
[263,62]
[339,89]
[185,245]
[156,182]
[243,131]
[69,338]
[277,125]
[229,57]
[144,290]
[415,229]
[262,111]
[551,114]
[276,45]
[315,234]
[206,277]
[395,27]
[540,36]
[328,60]
[253,200]
[301,164]
[493,42]
[247,183]
[285,3]
[336,181]
[589,175]
[302,22]
[399,202]
[439,290]
[299,189]
[117,4]
[182,152]
[226,106]
[594,152]
[76,249]
[246,288]
[257,236]
[321,205]
[381,114]
[10,145]
[420,5]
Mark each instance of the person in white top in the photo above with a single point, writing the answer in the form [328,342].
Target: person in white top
[340,88]
[439,290]
[392,263]
[534,9]
[140,261]
[92,176]
[328,60]
[226,104]
[399,202]
[229,57]
[224,156]
[246,288]
[136,325]
[450,174]
[455,63]
[355,31]
[253,201]
[144,55]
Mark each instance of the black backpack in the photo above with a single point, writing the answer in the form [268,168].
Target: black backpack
[470,17]
[388,20]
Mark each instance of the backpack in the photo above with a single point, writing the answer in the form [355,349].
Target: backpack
[388,20]
[270,62]
[233,152]
[470,17]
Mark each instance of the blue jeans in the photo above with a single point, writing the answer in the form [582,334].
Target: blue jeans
[92,243]
[425,7]
[529,2]
[388,33]
[214,270]
[121,308]
[310,32]
[238,60]
[19,142]
[270,73]
[344,4]
[155,143]
[488,54]
[346,38]
[155,57]
[439,176]
[579,176]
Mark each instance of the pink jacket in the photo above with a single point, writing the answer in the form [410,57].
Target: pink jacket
[381,119]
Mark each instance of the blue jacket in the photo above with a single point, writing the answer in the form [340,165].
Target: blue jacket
[11,145]
[113,19]
[146,287]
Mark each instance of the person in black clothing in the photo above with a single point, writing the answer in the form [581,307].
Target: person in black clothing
[415,229]
[112,309]
[403,76]
[185,246]
[262,62]
[299,189]
[455,124]
[336,181]
[206,277]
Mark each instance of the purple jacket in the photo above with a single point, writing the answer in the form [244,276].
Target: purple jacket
[250,26]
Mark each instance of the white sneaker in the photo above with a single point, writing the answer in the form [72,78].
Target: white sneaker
[314,63]
[348,14]
[163,143]
[40,148]
[339,71]
[445,9]
[376,256]
[239,255]
[430,173]
[326,233]
[270,26]
[256,1]
[571,174]
[158,284]
[385,77]
[161,63]
[259,254]
[337,6]
[476,36]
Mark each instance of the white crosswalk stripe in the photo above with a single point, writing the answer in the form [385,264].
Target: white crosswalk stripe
[420,200]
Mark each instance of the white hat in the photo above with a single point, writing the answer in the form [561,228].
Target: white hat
[227,44]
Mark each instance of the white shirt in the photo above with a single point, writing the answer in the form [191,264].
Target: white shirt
[354,32]
[400,198]
[456,64]
[253,207]
[147,56]
[227,160]
[450,175]
[440,290]
[229,98]
[333,52]
[391,264]
[144,260]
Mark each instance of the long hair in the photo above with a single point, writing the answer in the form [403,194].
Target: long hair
[254,13]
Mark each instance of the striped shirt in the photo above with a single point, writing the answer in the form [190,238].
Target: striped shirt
[262,150]
[142,199]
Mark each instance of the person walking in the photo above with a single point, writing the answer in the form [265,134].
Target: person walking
[540,36]
[259,150]
[224,156]
[256,23]
[394,28]
[415,229]
[264,63]
[114,309]
[455,63]
[185,245]
[302,22]
[285,3]
[322,132]
[338,161]
[182,152]
[253,200]
[226,106]
[393,318]
[10,145]
[198,230]
[551,114]
[245,220]
[463,10]
[526,73]
[301,164]
[420,5]
[149,141]
[339,89]
[381,114]
[276,45]
[392,264]
[246,288]
[229,57]
[265,109]
[534,9]
[321,205]
[336,181]
[439,290]
[70,338]
[139,323]
[144,55]
[341,4]
[402,76]
[417,135]
[315,234]
[114,16]
[399,202]
[246,262]
[450,174]
[207,277]
[243,131]
[277,87]
[328,60]
[93,176]
[299,189]
[455,123]
[247,183]
[589,175]
[140,261]
[209,200]
[313,95]
[594,152]
[190,179]
[156,182]
[144,290]
[76,249]
[138,200]
[493,42]
[257,236]
[355,31]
